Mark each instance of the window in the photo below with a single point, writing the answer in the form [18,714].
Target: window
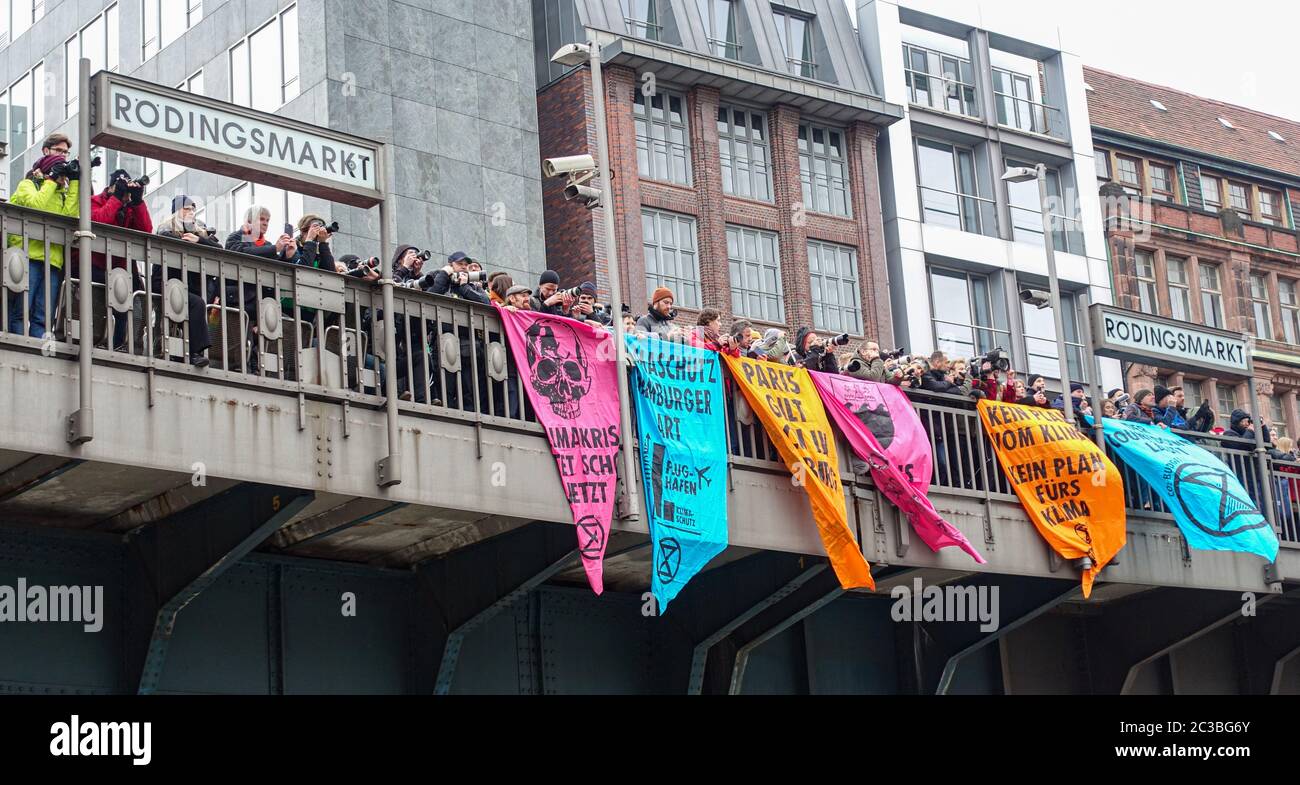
[17,16]
[1180,297]
[642,18]
[1277,416]
[1211,296]
[1286,295]
[1239,199]
[1040,339]
[755,269]
[1211,192]
[1016,108]
[938,80]
[833,270]
[823,170]
[1270,207]
[796,34]
[662,151]
[160,172]
[720,26]
[22,118]
[1128,171]
[1192,394]
[670,256]
[1148,302]
[1225,398]
[950,189]
[1162,182]
[971,319]
[96,41]
[1102,160]
[1027,213]
[1259,304]
[285,207]
[264,66]
[742,148]
[162,25]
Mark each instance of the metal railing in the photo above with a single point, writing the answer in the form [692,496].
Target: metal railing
[945,92]
[452,358]
[976,214]
[1027,226]
[1025,114]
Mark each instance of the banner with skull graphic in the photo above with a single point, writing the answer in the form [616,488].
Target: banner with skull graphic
[883,429]
[573,386]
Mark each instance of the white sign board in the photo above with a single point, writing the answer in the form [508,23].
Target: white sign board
[173,125]
[1154,340]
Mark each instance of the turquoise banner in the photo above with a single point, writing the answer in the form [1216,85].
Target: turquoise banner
[1212,507]
[683,437]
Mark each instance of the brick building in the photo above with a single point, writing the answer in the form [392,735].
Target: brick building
[743,148]
[1213,238]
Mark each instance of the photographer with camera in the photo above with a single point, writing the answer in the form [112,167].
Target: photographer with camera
[313,242]
[51,186]
[251,238]
[352,265]
[659,318]
[548,298]
[586,309]
[811,352]
[1036,395]
[870,364]
[121,203]
[941,378]
[408,261]
[456,280]
[987,384]
[183,225]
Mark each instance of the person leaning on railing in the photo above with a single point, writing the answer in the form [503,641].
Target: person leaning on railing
[182,225]
[121,203]
[50,187]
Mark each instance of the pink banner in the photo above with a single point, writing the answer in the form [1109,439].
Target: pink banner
[881,426]
[571,377]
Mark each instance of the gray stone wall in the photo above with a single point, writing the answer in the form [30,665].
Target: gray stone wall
[448,84]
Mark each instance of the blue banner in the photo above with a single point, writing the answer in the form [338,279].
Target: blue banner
[1211,506]
[679,413]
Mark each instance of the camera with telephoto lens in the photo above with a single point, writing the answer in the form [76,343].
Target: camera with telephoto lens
[423,256]
[840,340]
[997,360]
[362,267]
[71,169]
[476,276]
[332,227]
[893,355]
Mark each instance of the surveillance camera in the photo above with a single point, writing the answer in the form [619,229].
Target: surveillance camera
[585,192]
[1036,297]
[553,167]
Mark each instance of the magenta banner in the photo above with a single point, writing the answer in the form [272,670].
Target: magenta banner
[572,378]
[881,426]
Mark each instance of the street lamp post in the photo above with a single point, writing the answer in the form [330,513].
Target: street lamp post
[573,55]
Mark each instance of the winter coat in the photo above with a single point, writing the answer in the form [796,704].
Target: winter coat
[50,198]
[654,324]
[235,242]
[105,208]
[1135,413]
[441,284]
[933,380]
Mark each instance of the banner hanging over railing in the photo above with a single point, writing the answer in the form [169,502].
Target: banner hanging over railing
[787,404]
[883,429]
[1068,487]
[573,386]
[681,428]
[1212,508]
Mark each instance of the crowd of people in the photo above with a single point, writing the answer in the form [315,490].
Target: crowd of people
[53,186]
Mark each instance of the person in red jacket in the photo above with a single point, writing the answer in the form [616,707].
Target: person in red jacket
[121,203]
[988,384]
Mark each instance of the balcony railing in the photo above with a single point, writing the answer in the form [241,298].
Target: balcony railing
[1028,115]
[946,90]
[976,214]
[1027,227]
[452,356]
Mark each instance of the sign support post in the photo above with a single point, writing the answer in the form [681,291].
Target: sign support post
[388,470]
[81,423]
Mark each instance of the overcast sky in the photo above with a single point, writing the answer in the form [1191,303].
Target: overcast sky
[1242,52]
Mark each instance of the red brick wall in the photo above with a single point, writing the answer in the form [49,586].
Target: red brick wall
[563,129]
[574,235]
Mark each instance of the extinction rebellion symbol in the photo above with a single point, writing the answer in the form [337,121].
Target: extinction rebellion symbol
[670,559]
[1210,490]
[591,538]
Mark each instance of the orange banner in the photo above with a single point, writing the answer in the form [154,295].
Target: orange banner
[787,404]
[1070,489]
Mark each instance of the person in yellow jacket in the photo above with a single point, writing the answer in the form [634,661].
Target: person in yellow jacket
[48,188]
